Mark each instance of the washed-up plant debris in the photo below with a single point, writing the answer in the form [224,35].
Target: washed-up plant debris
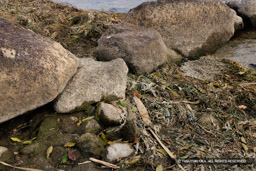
[194,119]
[199,119]
[77,30]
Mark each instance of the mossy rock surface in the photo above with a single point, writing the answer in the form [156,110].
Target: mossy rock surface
[48,126]
[90,145]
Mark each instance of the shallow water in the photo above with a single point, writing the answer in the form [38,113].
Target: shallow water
[117,6]
[242,48]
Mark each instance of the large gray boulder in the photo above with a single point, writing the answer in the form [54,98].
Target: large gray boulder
[94,82]
[33,70]
[142,49]
[191,27]
[246,8]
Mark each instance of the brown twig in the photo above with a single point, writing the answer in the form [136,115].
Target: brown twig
[21,168]
[166,149]
[184,101]
[147,121]
[245,84]
[85,162]
[105,163]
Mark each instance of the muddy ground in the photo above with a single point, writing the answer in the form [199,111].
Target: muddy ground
[195,119]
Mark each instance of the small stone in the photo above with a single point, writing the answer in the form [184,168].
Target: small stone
[56,155]
[90,145]
[109,115]
[31,149]
[118,151]
[3,150]
[94,82]
[68,124]
[130,129]
[6,156]
[74,119]
[50,134]
[48,126]
[38,161]
[114,133]
[92,126]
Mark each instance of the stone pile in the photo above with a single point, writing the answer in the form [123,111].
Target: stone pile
[35,70]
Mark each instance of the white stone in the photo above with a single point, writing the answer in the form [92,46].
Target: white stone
[118,151]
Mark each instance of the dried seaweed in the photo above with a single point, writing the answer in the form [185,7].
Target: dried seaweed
[193,118]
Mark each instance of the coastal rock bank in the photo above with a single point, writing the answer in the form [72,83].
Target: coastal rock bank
[192,28]
[33,70]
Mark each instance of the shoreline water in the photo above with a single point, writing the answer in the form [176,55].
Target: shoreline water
[115,6]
